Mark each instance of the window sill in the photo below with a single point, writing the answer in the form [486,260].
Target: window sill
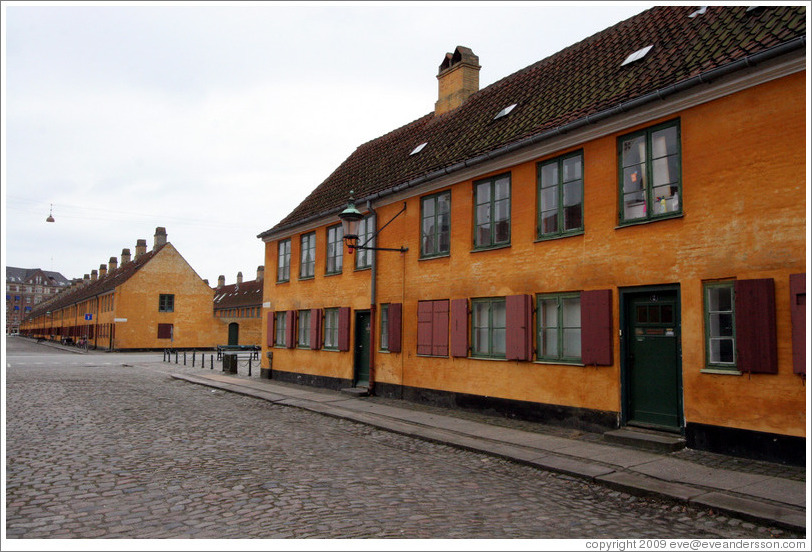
[328,274]
[306,278]
[498,359]
[558,236]
[490,248]
[433,257]
[721,371]
[362,268]
[559,362]
[437,356]
[283,281]
[639,222]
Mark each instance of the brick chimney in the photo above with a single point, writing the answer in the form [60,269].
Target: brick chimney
[112,263]
[260,273]
[140,247]
[125,256]
[221,281]
[160,237]
[458,78]
[94,275]
[84,280]
[102,270]
[239,277]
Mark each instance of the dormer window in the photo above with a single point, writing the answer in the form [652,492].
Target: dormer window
[639,54]
[505,111]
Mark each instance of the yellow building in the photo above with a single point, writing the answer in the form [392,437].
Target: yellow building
[152,301]
[611,237]
[238,308]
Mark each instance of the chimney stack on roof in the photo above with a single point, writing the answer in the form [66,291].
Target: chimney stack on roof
[112,263]
[125,256]
[458,78]
[260,273]
[221,281]
[102,270]
[94,275]
[160,237]
[239,277]
[140,247]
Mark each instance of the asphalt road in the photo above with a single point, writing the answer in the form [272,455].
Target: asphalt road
[109,446]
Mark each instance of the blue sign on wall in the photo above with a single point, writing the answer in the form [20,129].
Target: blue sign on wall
[88,317]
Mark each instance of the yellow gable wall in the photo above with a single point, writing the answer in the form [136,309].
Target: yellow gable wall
[137,301]
[743,200]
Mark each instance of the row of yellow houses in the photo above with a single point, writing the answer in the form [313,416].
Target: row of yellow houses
[614,236]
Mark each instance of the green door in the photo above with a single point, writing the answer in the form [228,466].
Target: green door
[652,360]
[233,334]
[362,351]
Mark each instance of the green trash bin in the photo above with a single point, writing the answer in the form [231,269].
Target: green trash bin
[230,363]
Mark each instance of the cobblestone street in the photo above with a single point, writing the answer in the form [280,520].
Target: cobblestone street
[96,449]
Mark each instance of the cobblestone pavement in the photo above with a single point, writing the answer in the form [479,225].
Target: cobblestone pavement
[124,451]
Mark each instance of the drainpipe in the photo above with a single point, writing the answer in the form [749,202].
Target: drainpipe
[372,301]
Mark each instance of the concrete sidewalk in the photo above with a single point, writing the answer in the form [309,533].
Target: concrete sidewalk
[749,496]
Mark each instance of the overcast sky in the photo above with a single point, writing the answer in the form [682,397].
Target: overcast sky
[215,120]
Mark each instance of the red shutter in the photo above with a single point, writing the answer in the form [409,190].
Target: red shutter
[459,327]
[290,329]
[424,327]
[344,329]
[518,338]
[395,316]
[269,331]
[596,327]
[797,309]
[756,347]
[439,334]
[315,329]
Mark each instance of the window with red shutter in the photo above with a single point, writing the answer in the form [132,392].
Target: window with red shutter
[164,331]
[315,329]
[290,329]
[459,327]
[439,334]
[596,327]
[519,338]
[344,329]
[425,317]
[756,346]
[394,330]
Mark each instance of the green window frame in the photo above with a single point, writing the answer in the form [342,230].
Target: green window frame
[435,226]
[650,174]
[283,261]
[304,329]
[280,323]
[307,268]
[384,339]
[166,302]
[331,329]
[335,250]
[492,212]
[366,236]
[720,326]
[558,327]
[488,327]
[560,184]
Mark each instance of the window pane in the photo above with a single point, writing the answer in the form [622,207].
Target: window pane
[572,343]
[502,188]
[550,343]
[572,168]
[571,307]
[498,342]
[498,314]
[428,207]
[664,142]
[549,199]
[634,150]
[549,222]
[549,175]
[720,298]
[483,193]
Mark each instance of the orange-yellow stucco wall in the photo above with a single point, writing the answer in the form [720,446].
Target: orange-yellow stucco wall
[743,199]
[137,301]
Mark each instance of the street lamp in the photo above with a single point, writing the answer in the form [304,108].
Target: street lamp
[51,214]
[350,217]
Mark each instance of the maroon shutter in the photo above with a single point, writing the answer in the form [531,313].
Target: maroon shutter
[424,327]
[518,330]
[344,329]
[756,347]
[269,333]
[439,334]
[459,327]
[290,329]
[315,329]
[596,327]
[395,316]
[797,309]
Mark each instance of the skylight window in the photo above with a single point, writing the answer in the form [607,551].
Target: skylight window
[419,148]
[639,54]
[505,111]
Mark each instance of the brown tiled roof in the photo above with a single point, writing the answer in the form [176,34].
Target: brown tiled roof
[246,294]
[102,285]
[576,86]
